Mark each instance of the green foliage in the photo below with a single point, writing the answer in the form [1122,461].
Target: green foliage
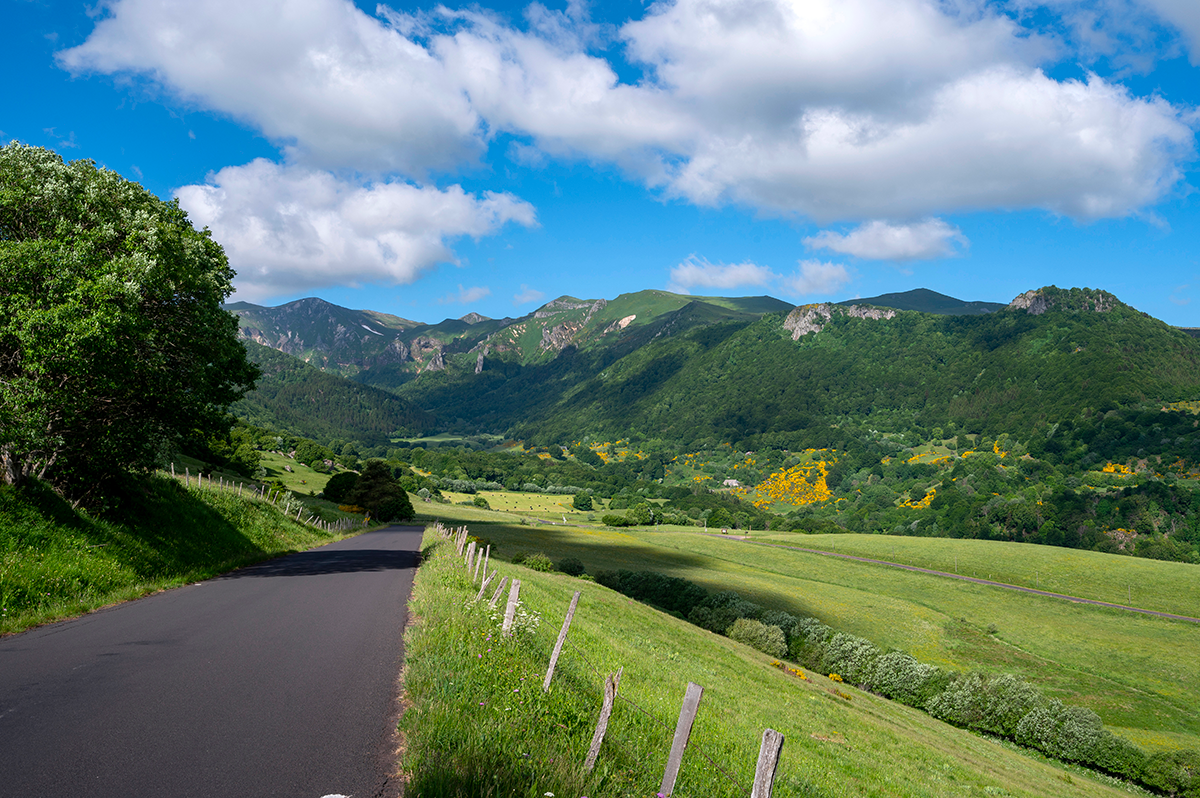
[756,634]
[538,562]
[339,486]
[380,493]
[572,566]
[481,502]
[582,501]
[113,342]
[301,399]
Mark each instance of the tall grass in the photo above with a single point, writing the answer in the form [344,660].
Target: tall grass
[477,723]
[56,562]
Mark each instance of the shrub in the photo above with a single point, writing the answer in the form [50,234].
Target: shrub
[395,509]
[756,634]
[1174,772]
[519,558]
[850,656]
[901,677]
[531,487]
[479,501]
[538,562]
[572,566]
[1069,733]
[582,501]
[612,519]
[339,485]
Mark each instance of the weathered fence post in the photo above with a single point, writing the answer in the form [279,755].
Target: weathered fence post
[470,556]
[610,696]
[487,581]
[499,590]
[562,636]
[478,562]
[486,552]
[514,597]
[768,762]
[187,477]
[683,730]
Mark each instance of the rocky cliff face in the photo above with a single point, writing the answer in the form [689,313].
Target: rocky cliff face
[1087,300]
[813,318]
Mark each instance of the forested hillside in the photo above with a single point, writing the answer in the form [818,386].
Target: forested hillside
[292,396]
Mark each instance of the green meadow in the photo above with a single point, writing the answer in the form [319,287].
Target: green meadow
[1138,672]
[478,723]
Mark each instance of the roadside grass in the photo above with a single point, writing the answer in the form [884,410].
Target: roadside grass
[478,724]
[56,562]
[1138,673]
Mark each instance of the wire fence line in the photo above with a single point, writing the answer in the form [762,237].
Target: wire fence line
[772,743]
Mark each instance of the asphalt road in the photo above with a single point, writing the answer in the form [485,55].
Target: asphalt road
[275,680]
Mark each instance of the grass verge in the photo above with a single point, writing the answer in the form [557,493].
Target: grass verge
[478,723]
[56,562]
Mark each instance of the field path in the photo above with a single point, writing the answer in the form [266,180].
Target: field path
[280,679]
[976,580]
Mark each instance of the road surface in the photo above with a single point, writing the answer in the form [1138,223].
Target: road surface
[275,680]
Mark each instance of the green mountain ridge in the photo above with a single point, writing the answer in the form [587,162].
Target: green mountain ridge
[691,369]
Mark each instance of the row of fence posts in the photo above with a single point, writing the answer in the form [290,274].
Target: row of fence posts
[273,497]
[476,557]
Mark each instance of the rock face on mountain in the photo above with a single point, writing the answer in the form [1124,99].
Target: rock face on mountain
[1088,300]
[813,318]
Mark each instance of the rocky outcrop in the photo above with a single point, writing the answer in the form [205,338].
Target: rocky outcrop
[473,318]
[813,318]
[558,337]
[1087,300]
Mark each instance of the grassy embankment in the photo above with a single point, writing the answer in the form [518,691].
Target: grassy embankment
[1139,673]
[479,724]
[56,562]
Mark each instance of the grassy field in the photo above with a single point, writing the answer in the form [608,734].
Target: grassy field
[550,507]
[479,724]
[56,562]
[1139,673]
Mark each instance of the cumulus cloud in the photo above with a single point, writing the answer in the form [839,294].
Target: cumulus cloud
[527,295]
[816,277]
[835,110]
[699,273]
[1184,15]
[466,296]
[879,240]
[288,228]
[337,88]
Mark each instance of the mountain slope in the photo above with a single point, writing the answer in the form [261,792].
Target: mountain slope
[926,301]
[295,397]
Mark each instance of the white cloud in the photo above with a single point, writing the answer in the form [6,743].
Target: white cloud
[527,295]
[1185,16]
[466,296]
[287,229]
[338,88]
[815,277]
[879,240]
[699,273]
[835,110]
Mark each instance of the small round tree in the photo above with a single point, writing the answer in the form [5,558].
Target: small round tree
[379,492]
[582,501]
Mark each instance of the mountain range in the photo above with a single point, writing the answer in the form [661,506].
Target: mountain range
[748,369]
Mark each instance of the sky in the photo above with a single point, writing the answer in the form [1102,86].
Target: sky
[433,160]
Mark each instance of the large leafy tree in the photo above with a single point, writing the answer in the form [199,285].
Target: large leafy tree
[113,341]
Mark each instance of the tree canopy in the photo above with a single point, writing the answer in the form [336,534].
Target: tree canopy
[113,341]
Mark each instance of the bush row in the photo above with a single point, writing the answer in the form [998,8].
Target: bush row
[1003,705]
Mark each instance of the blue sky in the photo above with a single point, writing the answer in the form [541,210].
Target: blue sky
[430,160]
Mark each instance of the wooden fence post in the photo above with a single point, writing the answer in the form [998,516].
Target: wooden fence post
[483,587]
[562,636]
[510,612]
[768,762]
[683,730]
[486,552]
[499,590]
[478,562]
[610,696]
[469,556]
